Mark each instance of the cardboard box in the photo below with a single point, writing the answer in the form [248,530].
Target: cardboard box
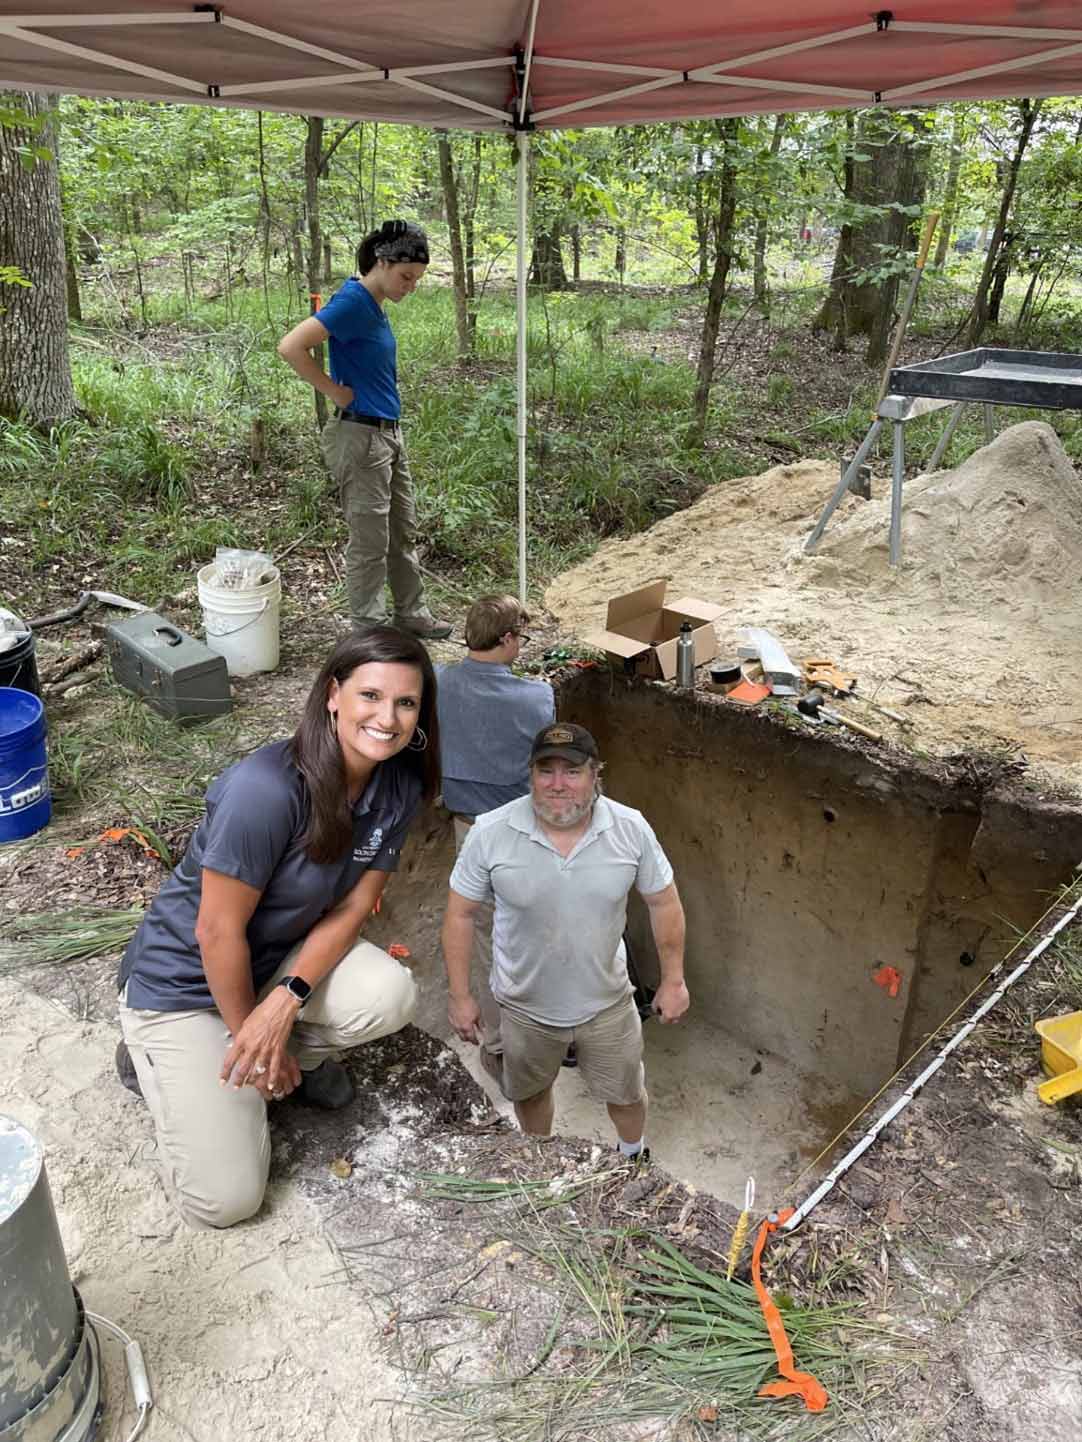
[641,630]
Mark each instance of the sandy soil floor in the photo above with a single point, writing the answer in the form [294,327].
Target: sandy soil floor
[975,639]
[250,1333]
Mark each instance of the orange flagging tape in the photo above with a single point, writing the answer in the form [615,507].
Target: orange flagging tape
[796,1384]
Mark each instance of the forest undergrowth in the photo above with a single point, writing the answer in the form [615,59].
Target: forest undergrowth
[193,435]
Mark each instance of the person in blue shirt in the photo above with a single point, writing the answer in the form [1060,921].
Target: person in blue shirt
[362,442]
[247,975]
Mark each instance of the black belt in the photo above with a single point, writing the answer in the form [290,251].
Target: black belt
[381,423]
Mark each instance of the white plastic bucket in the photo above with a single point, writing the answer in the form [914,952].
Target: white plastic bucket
[242,626]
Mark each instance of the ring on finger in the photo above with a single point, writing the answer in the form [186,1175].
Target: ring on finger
[277,1096]
[259,1068]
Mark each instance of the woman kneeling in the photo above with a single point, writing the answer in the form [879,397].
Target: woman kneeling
[246,975]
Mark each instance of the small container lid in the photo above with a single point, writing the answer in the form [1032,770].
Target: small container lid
[725,671]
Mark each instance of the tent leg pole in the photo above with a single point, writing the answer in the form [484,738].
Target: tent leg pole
[523,143]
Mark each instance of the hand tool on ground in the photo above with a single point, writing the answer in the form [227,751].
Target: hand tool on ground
[103,598]
[813,705]
[829,677]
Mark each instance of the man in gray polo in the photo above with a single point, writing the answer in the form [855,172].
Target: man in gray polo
[558,865]
[488,719]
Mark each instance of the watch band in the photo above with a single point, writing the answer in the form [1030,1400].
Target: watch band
[298,988]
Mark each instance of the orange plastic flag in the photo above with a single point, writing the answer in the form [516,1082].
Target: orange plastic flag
[796,1384]
[890,979]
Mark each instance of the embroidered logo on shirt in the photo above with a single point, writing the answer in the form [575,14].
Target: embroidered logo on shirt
[371,846]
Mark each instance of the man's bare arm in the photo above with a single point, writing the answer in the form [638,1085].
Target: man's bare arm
[667,924]
[458,926]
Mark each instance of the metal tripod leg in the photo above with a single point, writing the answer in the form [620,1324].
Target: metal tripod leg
[897,477]
[947,436]
[843,485]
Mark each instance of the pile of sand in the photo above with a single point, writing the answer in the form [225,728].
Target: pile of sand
[976,636]
[1005,526]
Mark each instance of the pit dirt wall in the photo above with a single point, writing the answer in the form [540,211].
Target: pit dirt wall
[841,901]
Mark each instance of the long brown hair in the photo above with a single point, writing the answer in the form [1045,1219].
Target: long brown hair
[315,747]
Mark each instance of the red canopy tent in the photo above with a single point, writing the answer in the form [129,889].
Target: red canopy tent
[519,64]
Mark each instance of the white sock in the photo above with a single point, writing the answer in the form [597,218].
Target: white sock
[631,1149]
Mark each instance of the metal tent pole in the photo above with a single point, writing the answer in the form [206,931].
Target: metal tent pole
[523,144]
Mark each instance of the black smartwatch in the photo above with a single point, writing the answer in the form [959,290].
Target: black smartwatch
[298,989]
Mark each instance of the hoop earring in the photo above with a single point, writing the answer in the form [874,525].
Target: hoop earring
[418,731]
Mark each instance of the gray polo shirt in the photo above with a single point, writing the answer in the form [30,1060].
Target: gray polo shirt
[257,814]
[557,937]
[488,719]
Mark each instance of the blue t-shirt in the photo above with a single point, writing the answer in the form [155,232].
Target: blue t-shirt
[362,351]
[488,720]
[257,813]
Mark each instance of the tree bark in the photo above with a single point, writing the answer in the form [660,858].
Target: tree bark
[762,226]
[981,313]
[723,256]
[454,230]
[950,194]
[576,254]
[547,269]
[313,164]
[35,372]
[71,278]
[894,174]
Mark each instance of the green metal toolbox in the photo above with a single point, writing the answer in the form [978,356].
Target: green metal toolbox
[173,672]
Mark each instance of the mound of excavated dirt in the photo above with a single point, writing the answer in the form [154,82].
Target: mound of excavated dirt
[1006,527]
[975,639]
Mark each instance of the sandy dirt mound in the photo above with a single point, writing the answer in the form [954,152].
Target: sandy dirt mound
[975,637]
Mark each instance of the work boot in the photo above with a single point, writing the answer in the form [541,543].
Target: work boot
[328,1086]
[425,628]
[125,1069]
[571,1056]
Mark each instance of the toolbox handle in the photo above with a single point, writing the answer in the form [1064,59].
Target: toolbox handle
[171,634]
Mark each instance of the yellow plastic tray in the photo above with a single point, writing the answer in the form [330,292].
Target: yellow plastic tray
[1061,1056]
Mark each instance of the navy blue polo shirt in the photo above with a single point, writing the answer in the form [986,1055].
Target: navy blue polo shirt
[257,813]
[362,351]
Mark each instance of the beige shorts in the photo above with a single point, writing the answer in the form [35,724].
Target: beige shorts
[608,1046]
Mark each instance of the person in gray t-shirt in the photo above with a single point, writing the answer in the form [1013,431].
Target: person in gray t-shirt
[247,975]
[488,719]
[558,866]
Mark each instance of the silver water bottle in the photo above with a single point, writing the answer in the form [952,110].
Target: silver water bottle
[685,657]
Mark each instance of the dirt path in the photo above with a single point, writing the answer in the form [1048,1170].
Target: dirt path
[976,639]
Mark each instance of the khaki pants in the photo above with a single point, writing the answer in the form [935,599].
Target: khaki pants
[608,1047]
[376,491]
[213,1141]
[482,951]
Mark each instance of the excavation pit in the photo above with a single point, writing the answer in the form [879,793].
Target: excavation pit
[842,900]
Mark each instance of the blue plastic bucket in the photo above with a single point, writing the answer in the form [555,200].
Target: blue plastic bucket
[25,799]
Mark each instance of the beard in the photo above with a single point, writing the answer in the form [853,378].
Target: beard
[563,816]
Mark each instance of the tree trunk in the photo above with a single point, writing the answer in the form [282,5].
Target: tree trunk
[547,269]
[762,226]
[328,263]
[981,313]
[468,223]
[621,253]
[893,175]
[71,278]
[313,162]
[950,193]
[702,216]
[723,257]
[576,254]
[35,373]
[454,231]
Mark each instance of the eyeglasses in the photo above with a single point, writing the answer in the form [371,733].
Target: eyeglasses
[524,637]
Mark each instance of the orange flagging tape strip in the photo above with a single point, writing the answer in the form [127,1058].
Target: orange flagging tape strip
[796,1384]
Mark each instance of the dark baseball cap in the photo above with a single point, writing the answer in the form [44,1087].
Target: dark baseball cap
[565,740]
